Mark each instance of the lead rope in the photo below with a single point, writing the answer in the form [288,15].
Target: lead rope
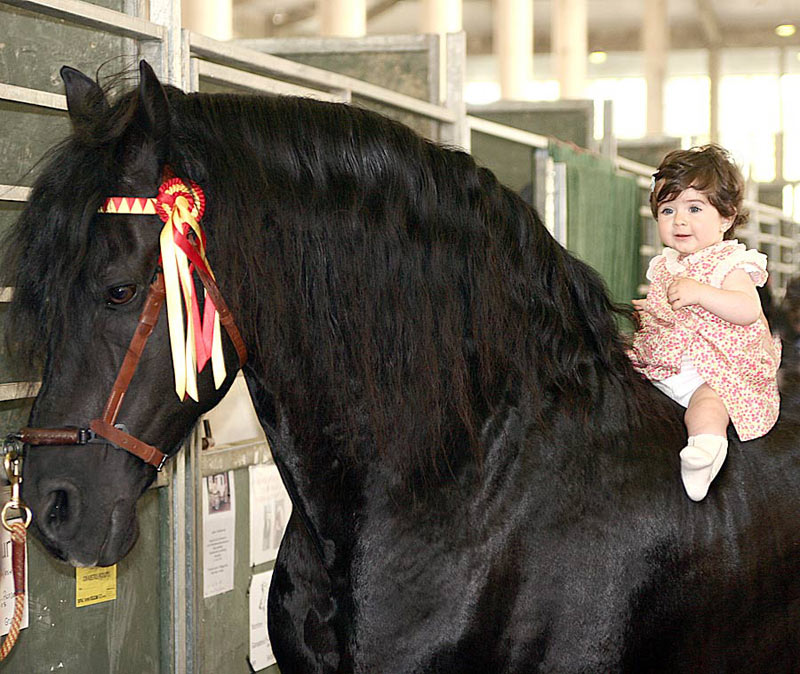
[18,529]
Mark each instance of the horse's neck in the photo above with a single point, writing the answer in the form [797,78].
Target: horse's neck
[313,477]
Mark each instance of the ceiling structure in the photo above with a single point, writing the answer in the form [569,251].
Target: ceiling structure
[614,25]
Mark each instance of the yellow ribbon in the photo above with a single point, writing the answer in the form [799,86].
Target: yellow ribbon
[178,282]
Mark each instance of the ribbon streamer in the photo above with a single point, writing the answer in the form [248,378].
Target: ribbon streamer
[182,240]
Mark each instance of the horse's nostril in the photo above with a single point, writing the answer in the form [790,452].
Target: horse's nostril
[58,513]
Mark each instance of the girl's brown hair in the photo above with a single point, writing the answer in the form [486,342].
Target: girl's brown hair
[709,169]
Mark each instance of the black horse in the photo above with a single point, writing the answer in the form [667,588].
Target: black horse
[481,483]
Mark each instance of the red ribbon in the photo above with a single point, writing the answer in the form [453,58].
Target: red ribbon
[168,192]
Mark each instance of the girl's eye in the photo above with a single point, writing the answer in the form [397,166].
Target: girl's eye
[118,295]
[695,209]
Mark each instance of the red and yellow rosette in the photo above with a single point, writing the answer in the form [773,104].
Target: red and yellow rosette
[180,207]
[182,240]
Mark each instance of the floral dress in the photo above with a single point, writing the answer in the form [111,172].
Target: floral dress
[739,362]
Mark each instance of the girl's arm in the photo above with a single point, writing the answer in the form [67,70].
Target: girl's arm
[736,302]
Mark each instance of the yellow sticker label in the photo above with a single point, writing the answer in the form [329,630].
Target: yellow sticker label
[94,585]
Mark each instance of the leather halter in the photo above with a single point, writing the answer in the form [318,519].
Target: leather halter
[104,427]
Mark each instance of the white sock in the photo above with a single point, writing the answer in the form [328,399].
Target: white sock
[701,460]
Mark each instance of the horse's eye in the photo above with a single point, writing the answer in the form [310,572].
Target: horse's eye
[117,295]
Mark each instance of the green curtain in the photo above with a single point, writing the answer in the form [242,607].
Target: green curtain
[603,224]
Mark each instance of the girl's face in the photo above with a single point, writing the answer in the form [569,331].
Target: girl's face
[689,222]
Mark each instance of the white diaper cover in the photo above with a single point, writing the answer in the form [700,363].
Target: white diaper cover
[681,387]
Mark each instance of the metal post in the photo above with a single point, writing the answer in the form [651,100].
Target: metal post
[609,142]
[168,56]
[560,202]
[194,553]
[543,184]
[455,56]
[179,641]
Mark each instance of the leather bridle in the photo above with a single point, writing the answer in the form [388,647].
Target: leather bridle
[104,429]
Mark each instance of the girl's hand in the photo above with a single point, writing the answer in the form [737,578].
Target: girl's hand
[684,291]
[736,302]
[639,305]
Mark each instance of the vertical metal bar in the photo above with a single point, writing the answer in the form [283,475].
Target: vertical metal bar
[455,53]
[194,76]
[560,202]
[541,166]
[168,14]
[194,542]
[189,76]
[187,592]
[609,143]
[179,563]
[167,579]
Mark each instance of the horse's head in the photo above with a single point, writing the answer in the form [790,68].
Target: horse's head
[81,281]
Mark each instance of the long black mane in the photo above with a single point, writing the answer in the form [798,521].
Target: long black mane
[403,280]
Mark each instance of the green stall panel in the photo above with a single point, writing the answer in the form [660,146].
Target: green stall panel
[603,222]
[512,163]
[122,636]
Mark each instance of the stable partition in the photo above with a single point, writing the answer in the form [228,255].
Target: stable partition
[398,77]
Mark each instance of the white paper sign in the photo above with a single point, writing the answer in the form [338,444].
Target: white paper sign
[219,523]
[260,648]
[7,584]
[270,508]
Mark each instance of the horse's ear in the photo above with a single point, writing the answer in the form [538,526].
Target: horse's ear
[153,106]
[85,98]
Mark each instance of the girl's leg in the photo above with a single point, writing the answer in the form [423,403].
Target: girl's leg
[707,422]
[706,413]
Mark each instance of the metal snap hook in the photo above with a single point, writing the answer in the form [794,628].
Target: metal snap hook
[12,460]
